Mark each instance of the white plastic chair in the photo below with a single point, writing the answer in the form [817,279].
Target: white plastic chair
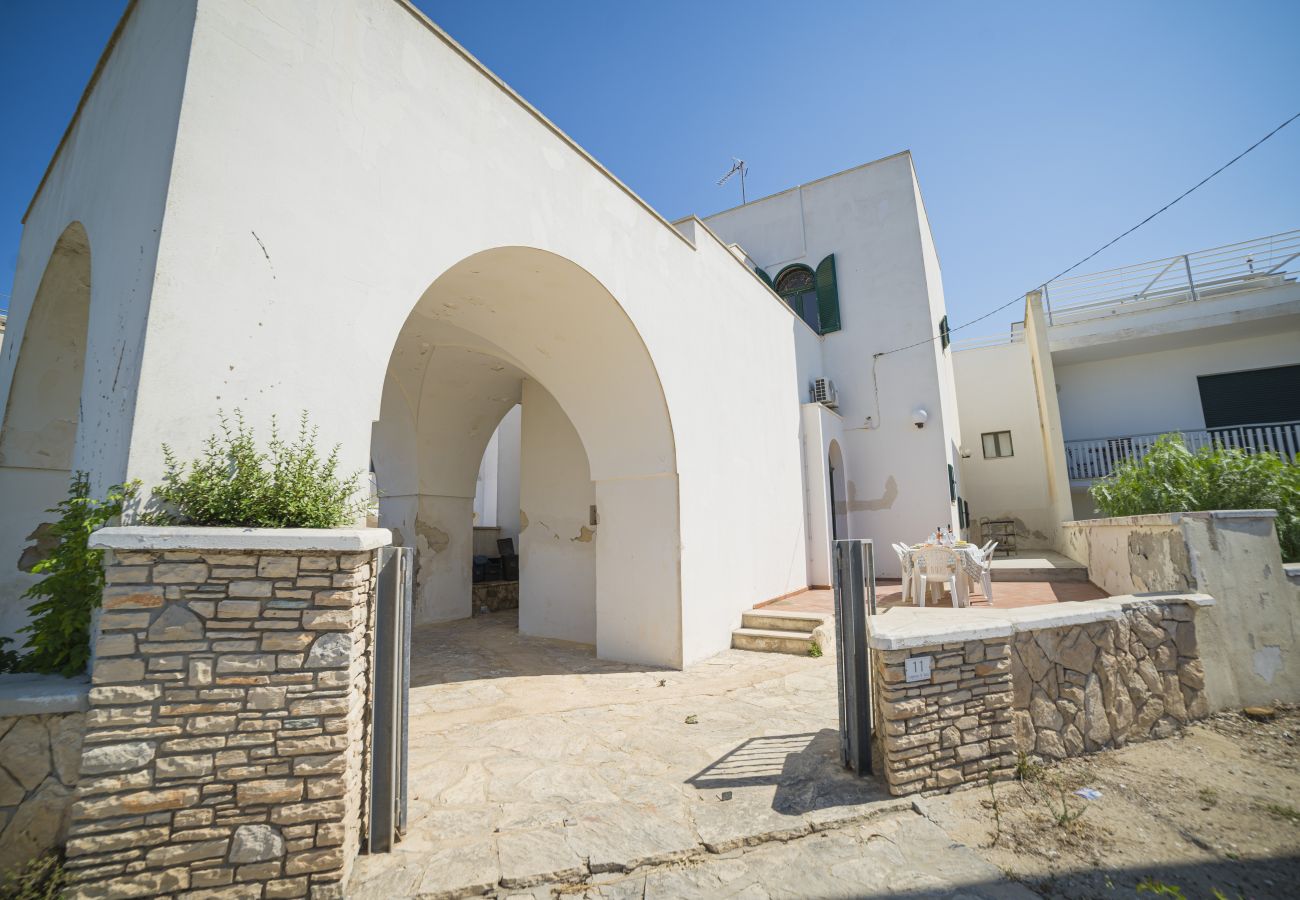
[977,567]
[939,565]
[905,561]
[987,550]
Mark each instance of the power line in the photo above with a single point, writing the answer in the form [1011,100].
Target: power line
[1113,240]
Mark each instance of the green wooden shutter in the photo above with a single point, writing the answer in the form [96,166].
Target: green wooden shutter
[828,297]
[767,279]
[952,483]
[944,333]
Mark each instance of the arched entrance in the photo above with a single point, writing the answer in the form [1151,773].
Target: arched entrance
[39,431]
[600,547]
[839,496]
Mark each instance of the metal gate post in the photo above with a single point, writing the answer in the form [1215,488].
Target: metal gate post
[855,595]
[389,715]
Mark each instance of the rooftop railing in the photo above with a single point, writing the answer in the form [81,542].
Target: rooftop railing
[1220,271]
[1097,457]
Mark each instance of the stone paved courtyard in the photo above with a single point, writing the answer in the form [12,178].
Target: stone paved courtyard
[534,763]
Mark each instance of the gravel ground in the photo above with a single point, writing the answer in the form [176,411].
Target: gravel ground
[1211,812]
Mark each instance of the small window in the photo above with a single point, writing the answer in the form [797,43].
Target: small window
[945,336]
[798,288]
[997,444]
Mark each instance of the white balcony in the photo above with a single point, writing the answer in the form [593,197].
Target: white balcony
[1096,457]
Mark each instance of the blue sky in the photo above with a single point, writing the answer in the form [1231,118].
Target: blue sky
[1039,130]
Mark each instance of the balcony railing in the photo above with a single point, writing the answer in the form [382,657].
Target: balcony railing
[1219,272]
[1096,458]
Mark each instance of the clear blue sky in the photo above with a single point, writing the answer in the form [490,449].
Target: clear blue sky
[1040,130]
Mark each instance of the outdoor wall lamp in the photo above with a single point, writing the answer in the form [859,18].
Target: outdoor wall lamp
[920,417]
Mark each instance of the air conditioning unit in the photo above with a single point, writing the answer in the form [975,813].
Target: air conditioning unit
[823,392]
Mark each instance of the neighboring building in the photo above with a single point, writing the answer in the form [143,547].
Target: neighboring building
[1206,344]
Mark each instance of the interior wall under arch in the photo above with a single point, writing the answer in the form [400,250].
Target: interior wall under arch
[41,413]
[558,541]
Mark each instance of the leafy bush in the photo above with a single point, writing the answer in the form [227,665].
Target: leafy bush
[41,878]
[1171,478]
[59,640]
[233,483]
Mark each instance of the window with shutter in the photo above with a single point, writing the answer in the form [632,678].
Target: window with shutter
[944,333]
[828,297]
[796,285]
[952,482]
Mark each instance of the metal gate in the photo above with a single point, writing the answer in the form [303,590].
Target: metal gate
[390,710]
[855,599]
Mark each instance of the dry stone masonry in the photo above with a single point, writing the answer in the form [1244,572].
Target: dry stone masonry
[224,745]
[960,693]
[1090,687]
[39,759]
[952,727]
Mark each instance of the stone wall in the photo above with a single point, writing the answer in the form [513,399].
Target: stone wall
[224,744]
[1250,640]
[494,596]
[951,728]
[1089,687]
[39,759]
[1057,680]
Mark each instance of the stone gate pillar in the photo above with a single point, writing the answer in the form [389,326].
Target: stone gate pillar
[226,730]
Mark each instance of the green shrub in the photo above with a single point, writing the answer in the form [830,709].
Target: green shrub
[1171,478]
[39,879]
[73,582]
[233,483]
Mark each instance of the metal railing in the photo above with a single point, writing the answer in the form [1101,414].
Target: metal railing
[1097,457]
[1231,269]
[1234,268]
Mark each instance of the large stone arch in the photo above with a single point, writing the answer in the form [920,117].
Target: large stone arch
[38,432]
[491,329]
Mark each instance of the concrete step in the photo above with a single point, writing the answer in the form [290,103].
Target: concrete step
[780,620]
[1045,565]
[767,640]
[1053,574]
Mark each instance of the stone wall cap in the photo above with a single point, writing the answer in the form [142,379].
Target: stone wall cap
[42,695]
[1170,518]
[288,539]
[907,628]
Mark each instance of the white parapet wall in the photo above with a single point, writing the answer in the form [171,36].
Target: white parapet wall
[1250,641]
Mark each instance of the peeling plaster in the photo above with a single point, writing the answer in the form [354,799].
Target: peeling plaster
[885,502]
[437,539]
[585,535]
[523,521]
[1268,662]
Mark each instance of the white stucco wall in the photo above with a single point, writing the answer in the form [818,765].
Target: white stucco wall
[332,163]
[890,296]
[557,549]
[111,176]
[507,490]
[1149,392]
[997,394]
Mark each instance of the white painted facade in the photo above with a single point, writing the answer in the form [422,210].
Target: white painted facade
[1119,370]
[385,236]
[872,219]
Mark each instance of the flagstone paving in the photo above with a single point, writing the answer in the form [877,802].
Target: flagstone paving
[533,763]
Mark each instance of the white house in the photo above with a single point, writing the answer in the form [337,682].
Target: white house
[286,206]
[1206,344]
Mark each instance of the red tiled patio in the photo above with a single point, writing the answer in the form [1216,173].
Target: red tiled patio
[1006,595]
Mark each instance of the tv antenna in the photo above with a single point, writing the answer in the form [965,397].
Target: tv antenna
[737,165]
